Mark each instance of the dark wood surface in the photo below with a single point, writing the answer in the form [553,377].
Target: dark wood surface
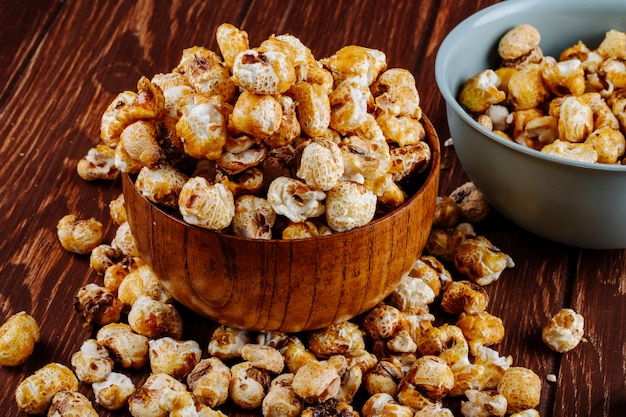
[62,62]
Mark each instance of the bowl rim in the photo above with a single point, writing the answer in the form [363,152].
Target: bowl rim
[478,19]
[430,176]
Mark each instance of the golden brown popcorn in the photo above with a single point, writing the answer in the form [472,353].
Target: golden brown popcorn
[395,93]
[383,404]
[297,355]
[447,213]
[313,110]
[206,72]
[336,339]
[383,379]
[295,200]
[481,329]
[613,45]
[412,294]
[18,335]
[226,342]
[480,261]
[174,86]
[608,143]
[202,125]
[254,217]
[207,205]
[483,404]
[349,205]
[257,115]
[79,235]
[499,115]
[209,381]
[145,401]
[231,41]
[266,73]
[115,274]
[563,77]
[289,129]
[520,45]
[464,296]
[124,241]
[140,280]
[492,366]
[351,379]
[526,88]
[281,400]
[263,357]
[357,63]
[481,91]
[431,375]
[582,152]
[140,144]
[443,243]
[521,387]
[124,162]
[564,331]
[161,184]
[316,382]
[383,322]
[129,349]
[575,120]
[471,202]
[153,318]
[240,153]
[173,357]
[34,394]
[114,391]
[319,163]
[71,404]
[102,257]
[402,130]
[116,117]
[98,305]
[92,362]
[117,210]
[305,230]
[348,103]
[409,159]
[248,385]
[98,164]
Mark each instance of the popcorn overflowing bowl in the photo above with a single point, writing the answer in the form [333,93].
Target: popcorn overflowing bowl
[269,190]
[574,202]
[285,285]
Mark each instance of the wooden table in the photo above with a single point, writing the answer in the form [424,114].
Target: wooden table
[62,62]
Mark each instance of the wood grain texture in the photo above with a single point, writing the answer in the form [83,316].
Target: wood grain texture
[62,62]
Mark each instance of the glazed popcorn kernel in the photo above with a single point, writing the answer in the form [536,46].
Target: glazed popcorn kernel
[114,391]
[70,404]
[79,236]
[34,394]
[521,387]
[18,336]
[564,331]
[92,362]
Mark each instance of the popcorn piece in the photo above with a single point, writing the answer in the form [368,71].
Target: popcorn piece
[431,375]
[139,142]
[608,143]
[526,89]
[575,120]
[174,86]
[575,151]
[209,381]
[269,72]
[357,63]
[254,217]
[297,356]
[483,404]
[240,154]
[563,77]
[227,342]
[316,382]
[294,199]
[464,296]
[98,164]
[320,164]
[481,329]
[613,45]
[443,243]
[202,125]
[206,72]
[520,44]
[248,385]
[206,205]
[349,205]
[154,319]
[102,257]
[564,331]
[383,379]
[70,404]
[521,387]
[263,357]
[471,202]
[348,103]
[145,402]
[409,159]
[257,115]
[336,339]
[141,280]
[231,41]
[305,230]
[289,129]
[129,349]
[18,335]
[114,391]
[383,322]
[479,260]
[481,91]
[92,362]
[383,404]
[173,357]
[79,236]
[396,94]
[313,110]
[281,400]
[116,117]
[124,241]
[161,185]
[117,210]
[98,305]
[34,394]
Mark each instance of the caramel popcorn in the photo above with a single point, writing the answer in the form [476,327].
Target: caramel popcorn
[18,336]
[512,100]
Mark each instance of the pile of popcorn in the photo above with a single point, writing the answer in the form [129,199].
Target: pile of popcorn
[572,106]
[397,359]
[268,141]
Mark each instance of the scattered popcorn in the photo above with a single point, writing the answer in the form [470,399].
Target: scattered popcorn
[18,336]
[564,331]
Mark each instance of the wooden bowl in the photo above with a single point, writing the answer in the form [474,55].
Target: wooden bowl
[285,285]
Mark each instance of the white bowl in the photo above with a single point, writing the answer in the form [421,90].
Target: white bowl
[574,203]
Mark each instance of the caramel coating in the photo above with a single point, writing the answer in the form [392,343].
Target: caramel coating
[18,336]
